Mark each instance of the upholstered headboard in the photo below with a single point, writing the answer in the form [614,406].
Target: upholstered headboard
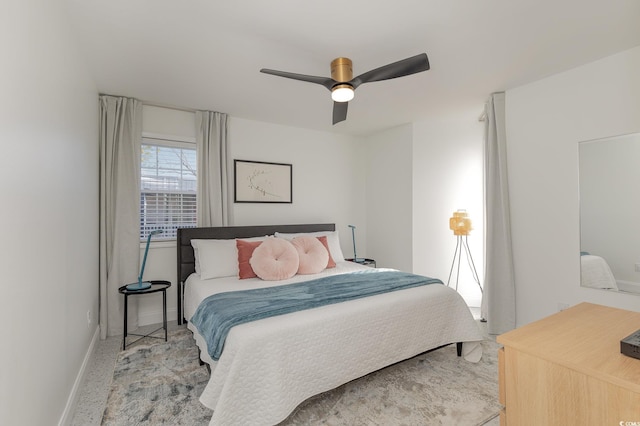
[186,258]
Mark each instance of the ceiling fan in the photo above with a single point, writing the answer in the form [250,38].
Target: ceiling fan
[342,84]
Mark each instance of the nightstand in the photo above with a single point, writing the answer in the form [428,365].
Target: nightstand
[156,286]
[364,261]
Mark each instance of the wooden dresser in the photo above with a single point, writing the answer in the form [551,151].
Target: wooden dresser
[567,369]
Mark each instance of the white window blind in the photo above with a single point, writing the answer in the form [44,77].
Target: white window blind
[167,187]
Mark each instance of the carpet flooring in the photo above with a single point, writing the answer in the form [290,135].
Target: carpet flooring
[159,383]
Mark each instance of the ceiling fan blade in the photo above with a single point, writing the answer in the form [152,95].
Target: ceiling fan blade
[324,81]
[401,68]
[340,111]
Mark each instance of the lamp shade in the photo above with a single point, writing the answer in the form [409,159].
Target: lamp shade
[342,93]
[460,223]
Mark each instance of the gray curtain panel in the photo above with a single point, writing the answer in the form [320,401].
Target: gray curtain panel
[120,136]
[498,301]
[214,194]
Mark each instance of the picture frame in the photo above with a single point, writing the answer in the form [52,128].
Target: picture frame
[262,182]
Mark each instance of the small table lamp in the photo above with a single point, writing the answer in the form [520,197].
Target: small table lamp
[353,237]
[143,285]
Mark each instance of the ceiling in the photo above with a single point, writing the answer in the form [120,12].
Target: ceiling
[206,54]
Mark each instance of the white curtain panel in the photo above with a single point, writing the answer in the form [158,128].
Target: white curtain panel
[120,136]
[498,301]
[214,195]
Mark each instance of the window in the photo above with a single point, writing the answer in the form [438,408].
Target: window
[167,187]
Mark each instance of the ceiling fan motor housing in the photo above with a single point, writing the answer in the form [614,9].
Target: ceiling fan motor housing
[342,70]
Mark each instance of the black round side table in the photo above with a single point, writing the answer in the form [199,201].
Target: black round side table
[156,286]
[363,261]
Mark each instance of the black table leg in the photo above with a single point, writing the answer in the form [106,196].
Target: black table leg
[164,313]
[124,339]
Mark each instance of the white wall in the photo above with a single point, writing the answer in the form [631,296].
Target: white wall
[328,176]
[389,204]
[49,192]
[168,122]
[448,176]
[545,122]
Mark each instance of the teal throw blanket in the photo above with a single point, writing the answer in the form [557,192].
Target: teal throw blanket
[218,313]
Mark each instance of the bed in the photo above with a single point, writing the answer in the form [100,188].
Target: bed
[596,273]
[268,367]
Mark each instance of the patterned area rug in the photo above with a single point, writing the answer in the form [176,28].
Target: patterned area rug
[159,383]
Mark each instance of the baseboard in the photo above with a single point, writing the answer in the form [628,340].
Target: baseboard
[628,286]
[72,401]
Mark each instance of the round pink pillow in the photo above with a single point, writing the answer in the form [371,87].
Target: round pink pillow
[312,253]
[275,259]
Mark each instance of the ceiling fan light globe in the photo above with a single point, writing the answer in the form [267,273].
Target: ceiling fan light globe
[342,93]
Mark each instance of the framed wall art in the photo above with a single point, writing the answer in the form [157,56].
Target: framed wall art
[261,182]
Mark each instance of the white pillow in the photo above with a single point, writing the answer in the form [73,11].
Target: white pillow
[215,258]
[332,240]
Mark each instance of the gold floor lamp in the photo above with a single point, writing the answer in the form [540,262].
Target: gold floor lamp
[460,224]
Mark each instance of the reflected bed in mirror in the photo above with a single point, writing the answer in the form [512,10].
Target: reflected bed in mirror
[610,213]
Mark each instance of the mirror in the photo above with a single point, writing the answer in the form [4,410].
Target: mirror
[610,213]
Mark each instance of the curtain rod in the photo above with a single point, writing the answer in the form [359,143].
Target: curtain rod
[159,105]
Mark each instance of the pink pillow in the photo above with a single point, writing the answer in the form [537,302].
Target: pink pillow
[313,255]
[275,259]
[245,250]
[331,263]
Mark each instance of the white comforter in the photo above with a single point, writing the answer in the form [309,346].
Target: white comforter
[269,367]
[596,273]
